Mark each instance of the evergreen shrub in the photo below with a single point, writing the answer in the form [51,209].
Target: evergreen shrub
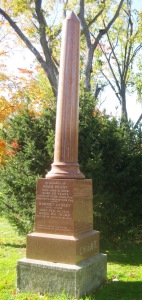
[110,153]
[30,139]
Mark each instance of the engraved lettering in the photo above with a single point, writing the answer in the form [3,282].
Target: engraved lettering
[54,201]
[87,248]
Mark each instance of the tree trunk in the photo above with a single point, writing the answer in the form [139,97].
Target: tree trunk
[124,115]
[86,32]
[47,62]
[88,68]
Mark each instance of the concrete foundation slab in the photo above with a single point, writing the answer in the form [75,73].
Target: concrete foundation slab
[54,278]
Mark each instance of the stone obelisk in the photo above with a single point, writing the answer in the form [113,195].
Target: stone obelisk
[63,252]
[66,135]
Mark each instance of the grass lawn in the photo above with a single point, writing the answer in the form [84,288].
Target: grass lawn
[124,281]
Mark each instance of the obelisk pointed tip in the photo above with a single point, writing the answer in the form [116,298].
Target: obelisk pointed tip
[72,16]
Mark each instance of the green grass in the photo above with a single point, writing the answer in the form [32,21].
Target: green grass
[123,266]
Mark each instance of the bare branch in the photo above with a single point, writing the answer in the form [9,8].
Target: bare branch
[92,46]
[84,24]
[112,86]
[113,51]
[135,53]
[111,68]
[138,121]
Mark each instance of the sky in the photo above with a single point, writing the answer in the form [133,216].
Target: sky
[111,106]
[137,4]
[23,59]
[134,108]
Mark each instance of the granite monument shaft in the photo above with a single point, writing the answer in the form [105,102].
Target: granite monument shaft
[65,163]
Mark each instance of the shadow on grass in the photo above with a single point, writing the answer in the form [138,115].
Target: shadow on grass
[119,291]
[14,245]
[128,255]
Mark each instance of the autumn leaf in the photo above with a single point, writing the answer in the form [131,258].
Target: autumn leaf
[15,145]
[14,292]
[25,71]
[132,275]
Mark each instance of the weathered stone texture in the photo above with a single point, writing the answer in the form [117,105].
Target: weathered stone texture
[54,278]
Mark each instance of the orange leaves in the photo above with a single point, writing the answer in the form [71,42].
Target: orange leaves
[9,153]
[132,275]
[3,77]
[25,71]
[3,52]
[8,102]
[2,152]
[15,146]
[2,144]
[8,150]
[97,112]
[14,292]
[5,109]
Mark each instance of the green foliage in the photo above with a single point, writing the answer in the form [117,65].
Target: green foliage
[32,133]
[111,154]
[31,160]
[18,197]
[137,82]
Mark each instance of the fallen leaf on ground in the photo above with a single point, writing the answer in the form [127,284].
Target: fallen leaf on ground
[14,292]
[132,275]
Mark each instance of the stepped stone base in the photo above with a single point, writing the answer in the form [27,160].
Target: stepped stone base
[61,248]
[54,278]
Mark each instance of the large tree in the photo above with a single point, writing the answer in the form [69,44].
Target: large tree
[42,34]
[118,55]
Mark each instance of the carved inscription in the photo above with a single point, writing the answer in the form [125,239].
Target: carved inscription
[87,248]
[54,202]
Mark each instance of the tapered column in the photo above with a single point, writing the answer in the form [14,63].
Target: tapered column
[66,136]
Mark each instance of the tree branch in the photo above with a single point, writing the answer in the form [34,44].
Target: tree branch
[42,33]
[135,53]
[112,86]
[92,46]
[26,41]
[84,24]
[138,121]
[105,30]
[111,68]
[113,52]
[95,18]
[23,37]
[128,47]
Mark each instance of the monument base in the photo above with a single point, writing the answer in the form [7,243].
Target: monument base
[62,249]
[54,278]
